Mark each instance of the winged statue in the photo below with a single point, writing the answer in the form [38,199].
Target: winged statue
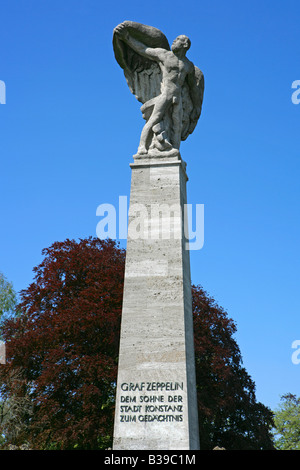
[169,86]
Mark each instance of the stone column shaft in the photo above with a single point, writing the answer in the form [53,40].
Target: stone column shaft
[156,405]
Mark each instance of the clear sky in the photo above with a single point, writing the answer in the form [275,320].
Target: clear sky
[70,126]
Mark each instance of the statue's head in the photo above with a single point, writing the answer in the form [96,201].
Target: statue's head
[182,42]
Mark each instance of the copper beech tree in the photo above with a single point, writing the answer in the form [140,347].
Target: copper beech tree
[62,355]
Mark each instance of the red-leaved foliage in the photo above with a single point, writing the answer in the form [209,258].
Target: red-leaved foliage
[229,415]
[66,344]
[58,386]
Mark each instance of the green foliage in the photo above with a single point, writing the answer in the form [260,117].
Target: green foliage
[8,300]
[287,423]
[8,297]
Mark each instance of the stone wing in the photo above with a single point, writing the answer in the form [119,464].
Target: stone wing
[192,103]
[143,76]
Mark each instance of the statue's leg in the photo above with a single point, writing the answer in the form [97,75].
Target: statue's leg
[161,104]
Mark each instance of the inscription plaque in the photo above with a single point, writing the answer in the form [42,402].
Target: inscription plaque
[156,403]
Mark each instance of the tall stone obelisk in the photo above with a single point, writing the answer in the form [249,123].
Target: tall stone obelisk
[156,400]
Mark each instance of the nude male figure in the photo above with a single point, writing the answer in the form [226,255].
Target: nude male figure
[175,68]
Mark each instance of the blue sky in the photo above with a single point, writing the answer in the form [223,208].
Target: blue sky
[70,126]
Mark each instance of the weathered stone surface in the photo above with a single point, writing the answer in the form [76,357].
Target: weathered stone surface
[156,391]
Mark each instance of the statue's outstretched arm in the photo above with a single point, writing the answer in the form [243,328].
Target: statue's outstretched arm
[139,47]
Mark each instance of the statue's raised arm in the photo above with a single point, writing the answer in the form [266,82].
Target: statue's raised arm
[169,86]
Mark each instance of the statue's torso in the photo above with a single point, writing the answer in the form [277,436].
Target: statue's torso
[174,70]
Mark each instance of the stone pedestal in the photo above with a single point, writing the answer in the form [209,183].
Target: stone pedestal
[156,406]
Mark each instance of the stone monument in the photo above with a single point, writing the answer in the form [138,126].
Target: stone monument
[156,403]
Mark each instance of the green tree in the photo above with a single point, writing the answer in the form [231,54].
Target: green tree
[8,301]
[8,297]
[287,423]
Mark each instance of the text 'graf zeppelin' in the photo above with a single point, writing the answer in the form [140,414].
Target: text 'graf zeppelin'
[151,402]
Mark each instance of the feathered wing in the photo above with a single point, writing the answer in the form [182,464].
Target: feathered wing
[142,75]
[192,104]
